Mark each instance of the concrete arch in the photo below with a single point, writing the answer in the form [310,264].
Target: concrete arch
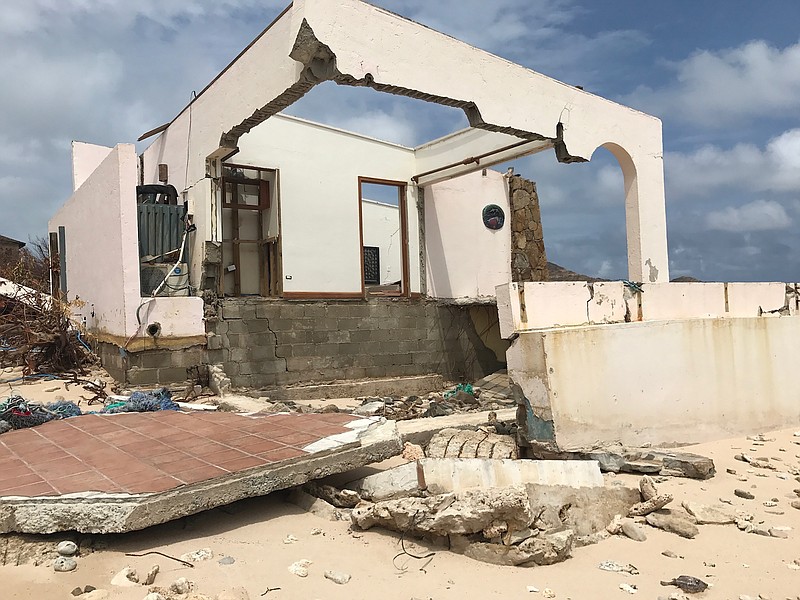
[645,214]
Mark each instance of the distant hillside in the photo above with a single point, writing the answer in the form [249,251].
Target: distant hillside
[559,273]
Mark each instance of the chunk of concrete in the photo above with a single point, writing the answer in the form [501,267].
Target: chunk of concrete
[673,521]
[456,474]
[461,513]
[709,514]
[550,548]
[420,431]
[465,443]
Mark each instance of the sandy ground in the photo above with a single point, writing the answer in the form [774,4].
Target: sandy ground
[252,532]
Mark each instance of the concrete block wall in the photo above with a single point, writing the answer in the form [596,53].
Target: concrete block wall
[264,343]
[150,367]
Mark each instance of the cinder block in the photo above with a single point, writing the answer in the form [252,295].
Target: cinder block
[314,311]
[376,371]
[151,359]
[172,375]
[238,327]
[187,358]
[291,311]
[257,325]
[214,342]
[298,364]
[271,367]
[139,376]
[230,310]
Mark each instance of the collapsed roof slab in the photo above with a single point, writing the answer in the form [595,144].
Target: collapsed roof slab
[119,473]
[354,43]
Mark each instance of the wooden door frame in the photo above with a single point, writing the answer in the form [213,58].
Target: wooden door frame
[402,191]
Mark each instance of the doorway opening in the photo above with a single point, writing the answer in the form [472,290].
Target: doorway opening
[384,237]
[250,231]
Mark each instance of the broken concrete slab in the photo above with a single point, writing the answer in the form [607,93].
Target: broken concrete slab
[420,431]
[444,475]
[673,521]
[710,514]
[586,510]
[465,443]
[620,459]
[118,473]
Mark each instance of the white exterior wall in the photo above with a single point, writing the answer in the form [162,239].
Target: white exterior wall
[85,159]
[102,256]
[382,229]
[463,258]
[667,382]
[101,242]
[319,167]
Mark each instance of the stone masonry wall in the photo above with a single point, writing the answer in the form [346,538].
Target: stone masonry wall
[528,257]
[265,343]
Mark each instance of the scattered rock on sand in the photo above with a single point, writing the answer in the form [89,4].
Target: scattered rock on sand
[626,587]
[647,487]
[648,506]
[633,530]
[150,578]
[687,583]
[613,567]
[300,568]
[126,578]
[181,586]
[743,494]
[673,522]
[795,504]
[336,577]
[198,555]
[67,548]
[64,564]
[709,514]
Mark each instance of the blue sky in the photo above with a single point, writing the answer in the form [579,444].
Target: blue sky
[723,75]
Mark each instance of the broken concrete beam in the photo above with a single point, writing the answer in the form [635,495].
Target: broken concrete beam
[420,431]
[637,460]
[465,443]
[445,475]
[461,513]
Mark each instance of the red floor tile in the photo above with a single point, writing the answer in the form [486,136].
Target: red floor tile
[59,468]
[281,454]
[201,474]
[83,482]
[31,490]
[151,452]
[241,464]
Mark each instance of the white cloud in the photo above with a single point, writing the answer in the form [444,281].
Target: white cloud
[774,168]
[759,215]
[715,89]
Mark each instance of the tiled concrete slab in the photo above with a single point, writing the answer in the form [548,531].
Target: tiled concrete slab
[114,473]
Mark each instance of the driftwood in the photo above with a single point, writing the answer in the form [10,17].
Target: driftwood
[36,333]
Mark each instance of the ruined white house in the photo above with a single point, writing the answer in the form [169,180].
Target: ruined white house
[300,252]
